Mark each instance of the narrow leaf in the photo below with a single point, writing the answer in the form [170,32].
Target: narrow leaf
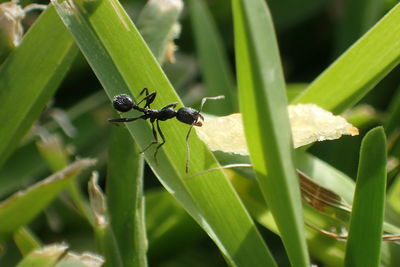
[26,86]
[217,76]
[263,104]
[366,222]
[43,257]
[124,64]
[359,69]
[22,207]
[125,198]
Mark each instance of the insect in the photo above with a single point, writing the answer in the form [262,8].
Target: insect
[187,115]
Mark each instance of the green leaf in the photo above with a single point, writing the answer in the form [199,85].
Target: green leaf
[167,220]
[124,64]
[358,17]
[263,105]
[125,200]
[22,207]
[26,241]
[26,86]
[106,241]
[217,76]
[359,69]
[366,223]
[392,121]
[44,257]
[158,24]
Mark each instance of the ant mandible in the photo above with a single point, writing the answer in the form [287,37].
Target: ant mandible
[124,103]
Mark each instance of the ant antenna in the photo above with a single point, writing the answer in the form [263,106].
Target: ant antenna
[203,101]
[228,166]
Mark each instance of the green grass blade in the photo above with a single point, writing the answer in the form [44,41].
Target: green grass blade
[30,75]
[124,64]
[263,104]
[366,223]
[217,75]
[392,120]
[359,69]
[21,208]
[125,201]
[105,238]
[358,17]
[44,257]
[25,241]
[158,25]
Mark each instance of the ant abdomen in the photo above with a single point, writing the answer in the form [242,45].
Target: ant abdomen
[122,103]
[189,116]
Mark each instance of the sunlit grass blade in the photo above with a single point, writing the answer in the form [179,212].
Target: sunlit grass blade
[21,208]
[359,69]
[124,64]
[44,257]
[266,123]
[366,223]
[158,24]
[30,75]
[125,200]
[26,241]
[217,75]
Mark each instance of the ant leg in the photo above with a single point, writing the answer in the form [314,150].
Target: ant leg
[162,143]
[188,149]
[172,105]
[149,98]
[127,119]
[155,137]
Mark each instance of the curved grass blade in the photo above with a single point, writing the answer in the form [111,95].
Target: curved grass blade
[266,122]
[44,257]
[366,222]
[124,64]
[218,77]
[125,201]
[22,207]
[26,86]
[359,69]
[358,17]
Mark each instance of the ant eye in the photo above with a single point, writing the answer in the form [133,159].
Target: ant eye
[122,103]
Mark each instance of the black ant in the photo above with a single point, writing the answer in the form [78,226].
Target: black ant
[124,103]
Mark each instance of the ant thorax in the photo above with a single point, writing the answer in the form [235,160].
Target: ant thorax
[163,114]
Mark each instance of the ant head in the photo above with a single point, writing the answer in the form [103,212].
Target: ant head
[122,103]
[189,116]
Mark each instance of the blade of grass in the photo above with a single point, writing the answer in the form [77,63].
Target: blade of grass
[158,24]
[124,64]
[27,85]
[125,199]
[359,69]
[105,238]
[26,241]
[366,222]
[358,17]
[22,207]
[44,257]
[217,75]
[263,104]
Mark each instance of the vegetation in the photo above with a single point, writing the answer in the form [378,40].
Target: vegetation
[83,185]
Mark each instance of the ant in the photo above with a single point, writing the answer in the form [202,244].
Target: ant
[124,103]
